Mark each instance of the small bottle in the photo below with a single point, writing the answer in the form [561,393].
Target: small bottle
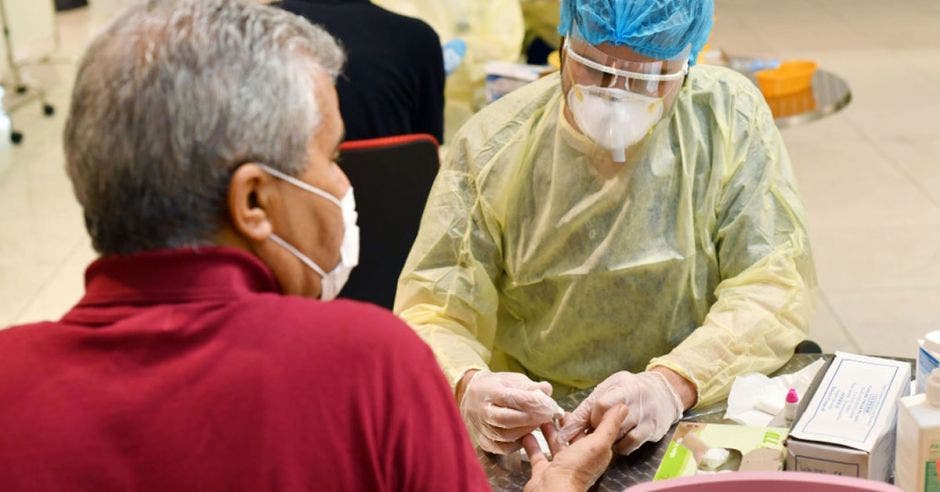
[918,439]
[928,358]
[789,410]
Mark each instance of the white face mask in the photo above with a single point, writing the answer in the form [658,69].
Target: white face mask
[613,118]
[330,283]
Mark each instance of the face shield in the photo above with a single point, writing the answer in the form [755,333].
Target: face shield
[616,96]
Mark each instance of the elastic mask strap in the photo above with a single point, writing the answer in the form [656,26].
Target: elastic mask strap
[302,257]
[615,79]
[625,73]
[300,184]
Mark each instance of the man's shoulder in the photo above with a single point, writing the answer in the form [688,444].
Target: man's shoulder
[495,125]
[519,104]
[16,334]
[365,339]
[720,86]
[343,322]
[279,306]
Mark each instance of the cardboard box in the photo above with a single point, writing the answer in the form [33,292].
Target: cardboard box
[848,427]
[739,448]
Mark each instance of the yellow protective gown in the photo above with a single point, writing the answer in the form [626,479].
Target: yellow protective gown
[694,256]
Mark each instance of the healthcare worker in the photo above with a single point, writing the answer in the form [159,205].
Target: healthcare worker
[631,224]
[208,351]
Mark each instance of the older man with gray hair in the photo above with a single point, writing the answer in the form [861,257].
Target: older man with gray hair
[199,357]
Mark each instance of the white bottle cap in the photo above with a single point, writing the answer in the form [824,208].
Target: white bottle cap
[932,342]
[933,387]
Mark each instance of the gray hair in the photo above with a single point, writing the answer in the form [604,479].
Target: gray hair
[171,98]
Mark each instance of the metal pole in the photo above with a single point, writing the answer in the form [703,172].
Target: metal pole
[57,41]
[14,70]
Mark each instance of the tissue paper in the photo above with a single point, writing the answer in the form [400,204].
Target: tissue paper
[754,393]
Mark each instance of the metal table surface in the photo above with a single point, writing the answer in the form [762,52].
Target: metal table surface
[511,473]
[828,94]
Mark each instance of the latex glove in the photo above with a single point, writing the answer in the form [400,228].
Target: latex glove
[654,406]
[454,52]
[578,466]
[500,408]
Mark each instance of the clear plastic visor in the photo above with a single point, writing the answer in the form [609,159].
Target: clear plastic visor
[589,65]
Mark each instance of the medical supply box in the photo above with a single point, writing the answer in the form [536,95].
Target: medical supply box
[699,449]
[848,427]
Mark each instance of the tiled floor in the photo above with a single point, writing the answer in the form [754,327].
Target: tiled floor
[870,175]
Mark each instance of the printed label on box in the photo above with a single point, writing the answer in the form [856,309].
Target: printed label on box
[855,403]
[817,465]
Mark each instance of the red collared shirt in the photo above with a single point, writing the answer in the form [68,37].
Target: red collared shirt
[188,370]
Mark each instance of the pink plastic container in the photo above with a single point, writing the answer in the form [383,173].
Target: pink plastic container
[764,482]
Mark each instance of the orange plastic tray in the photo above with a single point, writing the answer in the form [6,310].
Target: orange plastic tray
[789,78]
[792,104]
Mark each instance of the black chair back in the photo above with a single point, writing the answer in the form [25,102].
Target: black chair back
[391,178]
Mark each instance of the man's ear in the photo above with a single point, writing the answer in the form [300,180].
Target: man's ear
[251,194]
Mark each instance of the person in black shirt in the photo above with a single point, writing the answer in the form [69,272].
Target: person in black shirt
[393,82]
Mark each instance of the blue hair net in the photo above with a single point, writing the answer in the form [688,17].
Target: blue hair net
[655,28]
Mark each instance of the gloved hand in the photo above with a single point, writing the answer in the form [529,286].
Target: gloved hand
[654,406]
[454,52]
[500,408]
[574,467]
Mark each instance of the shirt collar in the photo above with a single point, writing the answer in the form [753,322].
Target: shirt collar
[335,2]
[175,275]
